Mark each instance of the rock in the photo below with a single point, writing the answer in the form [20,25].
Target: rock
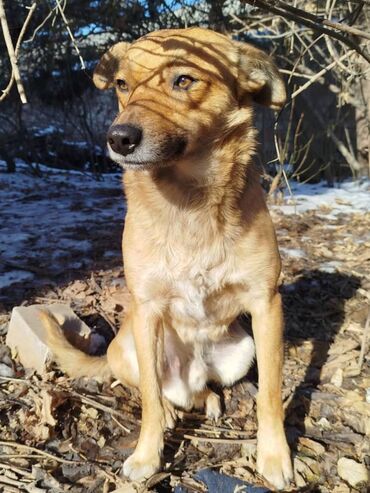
[75,472]
[354,473]
[27,334]
[6,371]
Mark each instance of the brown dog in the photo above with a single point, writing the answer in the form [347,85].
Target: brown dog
[199,246]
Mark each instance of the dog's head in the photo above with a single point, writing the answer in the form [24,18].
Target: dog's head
[176,91]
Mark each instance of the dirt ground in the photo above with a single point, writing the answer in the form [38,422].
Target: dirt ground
[59,434]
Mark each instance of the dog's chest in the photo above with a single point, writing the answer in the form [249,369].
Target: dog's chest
[203,298]
[191,294]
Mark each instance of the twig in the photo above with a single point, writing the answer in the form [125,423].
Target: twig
[20,456]
[321,73]
[41,24]
[216,431]
[121,425]
[106,409]
[13,482]
[327,22]
[13,52]
[301,55]
[85,400]
[17,47]
[303,15]
[21,446]
[311,21]
[12,379]
[230,441]
[351,160]
[364,341]
[17,470]
[83,66]
[335,56]
[280,159]
[106,317]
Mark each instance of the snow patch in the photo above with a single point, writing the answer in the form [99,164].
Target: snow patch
[52,219]
[344,198]
[292,252]
[330,267]
[14,276]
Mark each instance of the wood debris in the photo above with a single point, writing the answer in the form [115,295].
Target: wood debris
[58,434]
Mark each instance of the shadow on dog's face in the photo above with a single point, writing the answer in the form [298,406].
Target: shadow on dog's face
[180,91]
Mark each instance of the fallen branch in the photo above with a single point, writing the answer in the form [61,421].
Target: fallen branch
[21,446]
[102,407]
[230,441]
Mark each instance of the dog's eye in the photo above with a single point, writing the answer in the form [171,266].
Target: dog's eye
[122,85]
[183,82]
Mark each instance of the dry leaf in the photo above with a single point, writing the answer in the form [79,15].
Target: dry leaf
[311,446]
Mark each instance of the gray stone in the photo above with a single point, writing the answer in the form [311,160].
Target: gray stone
[27,334]
[353,472]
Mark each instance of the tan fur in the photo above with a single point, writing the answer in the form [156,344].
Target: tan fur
[71,360]
[199,247]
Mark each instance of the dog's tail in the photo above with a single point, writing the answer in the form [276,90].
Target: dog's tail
[71,360]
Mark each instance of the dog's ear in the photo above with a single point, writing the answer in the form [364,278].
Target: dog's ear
[107,67]
[259,78]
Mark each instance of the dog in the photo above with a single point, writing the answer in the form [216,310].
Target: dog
[199,246]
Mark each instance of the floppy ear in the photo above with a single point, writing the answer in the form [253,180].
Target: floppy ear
[107,67]
[259,78]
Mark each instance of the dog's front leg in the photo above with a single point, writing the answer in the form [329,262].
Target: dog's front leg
[148,334]
[273,455]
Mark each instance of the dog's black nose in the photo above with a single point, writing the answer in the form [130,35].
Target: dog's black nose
[124,139]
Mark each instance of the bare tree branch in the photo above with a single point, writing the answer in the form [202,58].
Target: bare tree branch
[325,22]
[6,91]
[321,73]
[13,53]
[61,11]
[311,21]
[351,160]
[41,25]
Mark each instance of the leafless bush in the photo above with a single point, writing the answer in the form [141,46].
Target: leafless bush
[322,47]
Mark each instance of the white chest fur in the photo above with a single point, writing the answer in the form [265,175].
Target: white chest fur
[198,306]
[190,295]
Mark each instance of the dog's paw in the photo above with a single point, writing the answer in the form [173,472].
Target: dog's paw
[213,406]
[275,465]
[138,469]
